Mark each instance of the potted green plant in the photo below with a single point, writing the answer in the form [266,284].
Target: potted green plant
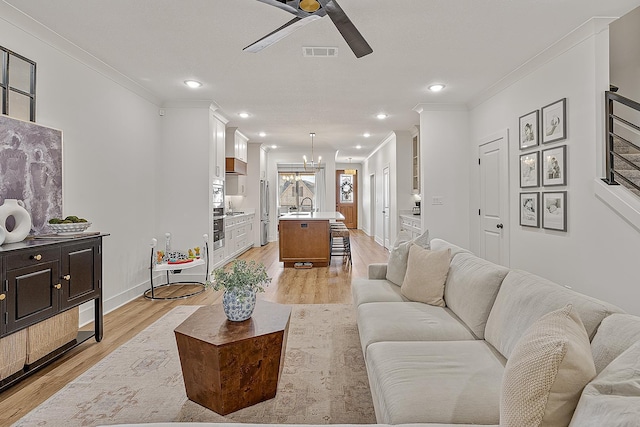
[240,283]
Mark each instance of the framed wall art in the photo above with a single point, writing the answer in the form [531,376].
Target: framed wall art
[529,209]
[529,131]
[554,166]
[529,170]
[554,121]
[554,210]
[31,169]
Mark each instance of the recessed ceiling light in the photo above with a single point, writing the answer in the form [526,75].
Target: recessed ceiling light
[437,87]
[262,134]
[274,146]
[193,84]
[358,147]
[381,116]
[366,134]
[243,115]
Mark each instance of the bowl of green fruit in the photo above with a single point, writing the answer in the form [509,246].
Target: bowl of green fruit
[68,225]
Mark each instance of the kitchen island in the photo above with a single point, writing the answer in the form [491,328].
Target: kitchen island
[305,237]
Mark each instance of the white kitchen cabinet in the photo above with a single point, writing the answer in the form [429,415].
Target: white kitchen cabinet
[217,130]
[411,224]
[218,259]
[238,234]
[236,144]
[236,185]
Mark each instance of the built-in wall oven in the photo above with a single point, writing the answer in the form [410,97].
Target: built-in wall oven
[217,206]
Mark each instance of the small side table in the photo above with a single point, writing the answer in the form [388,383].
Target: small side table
[177,268]
[231,365]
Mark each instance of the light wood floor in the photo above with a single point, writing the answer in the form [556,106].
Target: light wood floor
[329,285]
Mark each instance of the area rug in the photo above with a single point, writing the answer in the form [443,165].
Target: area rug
[324,379]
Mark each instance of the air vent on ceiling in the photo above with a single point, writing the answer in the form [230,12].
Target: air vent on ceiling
[320,51]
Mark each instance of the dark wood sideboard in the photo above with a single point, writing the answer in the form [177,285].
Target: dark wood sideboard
[42,278]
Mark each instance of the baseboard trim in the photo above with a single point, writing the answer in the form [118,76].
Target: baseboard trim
[117,301]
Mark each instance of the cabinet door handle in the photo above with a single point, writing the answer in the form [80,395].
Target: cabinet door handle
[67,277]
[36,257]
[2,297]
[58,286]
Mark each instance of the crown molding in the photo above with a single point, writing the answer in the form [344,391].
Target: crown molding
[439,107]
[30,26]
[585,31]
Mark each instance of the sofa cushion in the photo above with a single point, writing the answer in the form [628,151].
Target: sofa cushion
[439,245]
[408,321]
[365,291]
[615,334]
[435,382]
[377,270]
[613,397]
[471,289]
[399,255]
[523,298]
[426,275]
[547,370]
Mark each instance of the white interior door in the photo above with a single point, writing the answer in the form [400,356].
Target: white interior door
[494,199]
[372,205]
[386,216]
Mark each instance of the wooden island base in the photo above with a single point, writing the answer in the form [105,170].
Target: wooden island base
[306,238]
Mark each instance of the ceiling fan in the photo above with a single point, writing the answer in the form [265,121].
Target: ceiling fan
[306,11]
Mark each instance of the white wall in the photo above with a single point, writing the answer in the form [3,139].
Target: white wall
[625,56]
[182,204]
[295,156]
[384,156]
[445,167]
[598,254]
[110,137]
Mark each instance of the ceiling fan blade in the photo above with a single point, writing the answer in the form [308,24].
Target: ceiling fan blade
[281,5]
[349,32]
[280,33]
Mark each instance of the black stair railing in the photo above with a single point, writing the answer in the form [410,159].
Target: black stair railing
[613,152]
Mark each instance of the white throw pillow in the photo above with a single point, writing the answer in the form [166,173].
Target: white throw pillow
[547,370]
[397,264]
[426,275]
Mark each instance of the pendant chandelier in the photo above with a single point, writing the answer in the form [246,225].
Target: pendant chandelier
[312,165]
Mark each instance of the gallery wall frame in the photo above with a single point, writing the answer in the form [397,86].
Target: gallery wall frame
[554,210]
[530,209]
[529,130]
[530,170]
[31,169]
[554,166]
[554,121]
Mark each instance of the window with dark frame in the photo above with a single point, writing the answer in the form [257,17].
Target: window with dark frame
[17,86]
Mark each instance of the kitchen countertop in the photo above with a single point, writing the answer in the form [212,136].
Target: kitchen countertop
[314,216]
[410,216]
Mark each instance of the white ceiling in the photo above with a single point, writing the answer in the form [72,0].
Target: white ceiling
[469,45]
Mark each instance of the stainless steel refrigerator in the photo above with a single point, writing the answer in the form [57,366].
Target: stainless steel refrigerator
[264,212]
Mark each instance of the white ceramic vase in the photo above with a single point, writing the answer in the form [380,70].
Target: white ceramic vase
[15,208]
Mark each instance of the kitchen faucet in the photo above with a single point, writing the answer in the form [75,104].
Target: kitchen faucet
[310,200]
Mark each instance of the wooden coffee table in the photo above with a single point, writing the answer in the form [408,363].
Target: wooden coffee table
[231,365]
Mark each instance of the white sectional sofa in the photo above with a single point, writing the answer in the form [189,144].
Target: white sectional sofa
[429,364]
[446,366]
